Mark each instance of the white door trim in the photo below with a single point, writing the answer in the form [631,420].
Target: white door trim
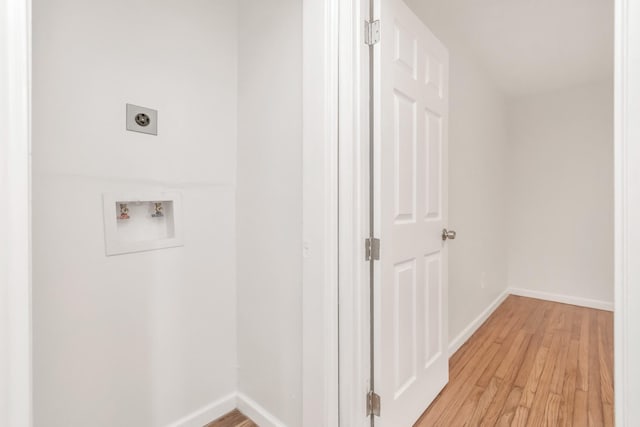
[353,213]
[627,220]
[335,170]
[15,224]
[627,213]
[320,213]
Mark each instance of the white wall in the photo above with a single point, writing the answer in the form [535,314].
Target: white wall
[141,339]
[269,207]
[560,230]
[477,178]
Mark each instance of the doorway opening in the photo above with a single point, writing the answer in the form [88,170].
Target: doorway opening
[528,131]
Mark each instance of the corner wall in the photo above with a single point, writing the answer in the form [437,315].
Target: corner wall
[560,229]
[142,339]
[269,210]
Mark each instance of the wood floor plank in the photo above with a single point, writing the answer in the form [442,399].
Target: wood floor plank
[577,324]
[511,348]
[558,378]
[444,410]
[607,412]
[492,328]
[488,395]
[509,369]
[543,389]
[532,363]
[489,372]
[605,324]
[583,353]
[595,415]
[520,418]
[515,350]
[580,409]
[551,410]
[465,412]
[509,409]
[565,418]
[488,329]
[565,320]
[529,360]
[605,353]
[234,418]
[531,386]
[478,345]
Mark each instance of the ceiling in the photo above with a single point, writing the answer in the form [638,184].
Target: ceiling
[530,46]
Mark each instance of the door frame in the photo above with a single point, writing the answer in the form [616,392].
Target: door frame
[353,213]
[353,217]
[320,350]
[15,213]
[627,213]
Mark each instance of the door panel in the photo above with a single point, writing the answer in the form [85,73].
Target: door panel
[411,355]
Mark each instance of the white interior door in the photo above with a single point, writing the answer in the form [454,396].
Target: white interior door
[411,349]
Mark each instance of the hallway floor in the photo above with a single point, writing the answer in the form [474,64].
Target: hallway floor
[233,419]
[532,363]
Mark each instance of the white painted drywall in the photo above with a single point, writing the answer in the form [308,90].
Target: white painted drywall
[269,206]
[477,179]
[560,192]
[141,339]
[533,46]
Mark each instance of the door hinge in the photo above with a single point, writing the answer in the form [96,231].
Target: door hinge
[373,404]
[372,249]
[371,32]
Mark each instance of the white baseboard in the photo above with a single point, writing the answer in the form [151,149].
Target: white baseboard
[565,299]
[257,413]
[206,414]
[476,323]
[220,407]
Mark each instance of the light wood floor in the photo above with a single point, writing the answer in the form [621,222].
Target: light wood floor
[533,363]
[233,419]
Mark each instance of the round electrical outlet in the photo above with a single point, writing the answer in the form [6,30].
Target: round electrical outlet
[142,119]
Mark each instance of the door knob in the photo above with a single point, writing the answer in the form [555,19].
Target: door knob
[448,234]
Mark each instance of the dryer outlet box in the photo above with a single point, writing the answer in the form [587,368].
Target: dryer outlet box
[141,119]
